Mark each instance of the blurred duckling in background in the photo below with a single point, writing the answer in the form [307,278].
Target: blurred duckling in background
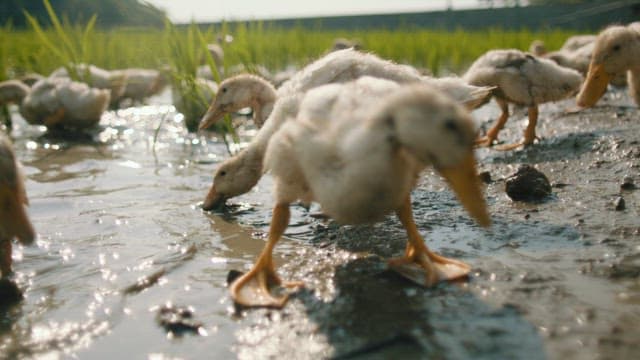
[616,51]
[522,79]
[11,92]
[357,148]
[14,222]
[140,83]
[59,103]
[339,66]
[575,53]
[98,78]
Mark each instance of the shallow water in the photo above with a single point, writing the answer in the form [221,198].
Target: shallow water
[555,279]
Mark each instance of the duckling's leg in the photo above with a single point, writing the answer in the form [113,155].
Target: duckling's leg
[255,287]
[419,264]
[5,257]
[529,132]
[492,134]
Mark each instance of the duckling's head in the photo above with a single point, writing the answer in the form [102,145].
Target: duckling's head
[538,48]
[439,132]
[616,50]
[14,221]
[235,176]
[236,93]
[13,91]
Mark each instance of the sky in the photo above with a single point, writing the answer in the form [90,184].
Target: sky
[182,11]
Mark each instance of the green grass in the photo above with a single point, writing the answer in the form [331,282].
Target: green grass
[254,43]
[183,48]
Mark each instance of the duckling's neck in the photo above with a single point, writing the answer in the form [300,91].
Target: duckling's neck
[262,102]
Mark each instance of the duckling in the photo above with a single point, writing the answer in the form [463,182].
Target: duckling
[523,79]
[14,222]
[12,92]
[140,83]
[538,48]
[62,103]
[617,50]
[97,78]
[576,54]
[577,41]
[338,66]
[360,160]
[237,175]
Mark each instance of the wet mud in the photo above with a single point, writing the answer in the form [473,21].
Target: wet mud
[125,258]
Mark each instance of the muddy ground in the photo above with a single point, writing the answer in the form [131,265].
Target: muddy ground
[555,279]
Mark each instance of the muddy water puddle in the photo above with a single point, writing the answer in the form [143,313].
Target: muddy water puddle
[122,239]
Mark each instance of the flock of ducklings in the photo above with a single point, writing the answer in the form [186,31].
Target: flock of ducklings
[350,131]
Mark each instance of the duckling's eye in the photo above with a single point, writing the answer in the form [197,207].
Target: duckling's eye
[451,125]
[389,120]
[222,173]
[616,47]
[224,89]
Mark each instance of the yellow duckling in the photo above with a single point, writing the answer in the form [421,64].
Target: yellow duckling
[523,79]
[357,149]
[14,222]
[617,50]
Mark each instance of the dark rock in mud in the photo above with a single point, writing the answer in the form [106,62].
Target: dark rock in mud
[485,177]
[232,275]
[528,184]
[628,184]
[10,293]
[178,320]
[619,203]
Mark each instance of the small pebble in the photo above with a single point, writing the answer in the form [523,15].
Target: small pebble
[619,203]
[485,177]
[178,320]
[627,183]
[527,184]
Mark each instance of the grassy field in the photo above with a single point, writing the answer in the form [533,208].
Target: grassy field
[181,49]
[255,43]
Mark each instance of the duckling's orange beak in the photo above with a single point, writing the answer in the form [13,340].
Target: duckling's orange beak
[214,113]
[465,183]
[594,87]
[14,221]
[214,200]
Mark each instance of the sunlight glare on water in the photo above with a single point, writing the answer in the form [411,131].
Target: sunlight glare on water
[110,212]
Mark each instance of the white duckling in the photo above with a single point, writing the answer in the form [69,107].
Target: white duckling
[140,83]
[14,222]
[12,92]
[576,54]
[60,102]
[97,78]
[359,161]
[617,50]
[239,174]
[523,79]
[339,66]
